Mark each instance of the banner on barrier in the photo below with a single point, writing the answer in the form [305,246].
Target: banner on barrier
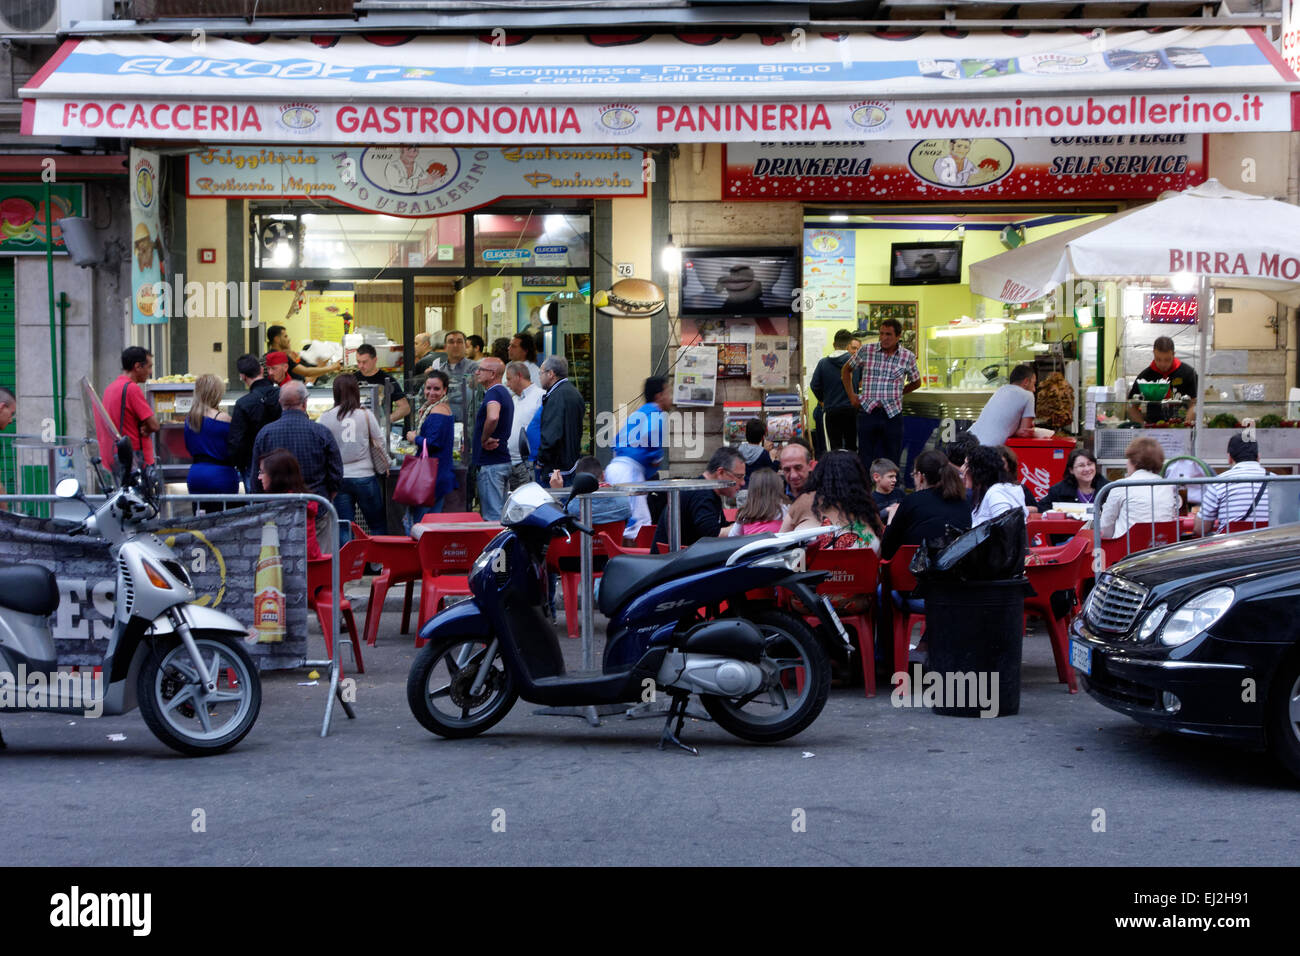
[249,562]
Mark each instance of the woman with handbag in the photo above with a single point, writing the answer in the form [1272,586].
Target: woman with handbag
[361,445]
[434,434]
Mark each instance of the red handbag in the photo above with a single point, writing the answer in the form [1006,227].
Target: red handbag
[418,480]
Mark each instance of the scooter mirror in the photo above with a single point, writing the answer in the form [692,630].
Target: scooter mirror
[584,484]
[68,488]
[125,454]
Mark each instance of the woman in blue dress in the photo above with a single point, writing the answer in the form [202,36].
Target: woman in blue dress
[206,429]
[435,430]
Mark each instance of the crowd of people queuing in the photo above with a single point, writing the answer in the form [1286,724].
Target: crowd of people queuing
[506,418]
[520,421]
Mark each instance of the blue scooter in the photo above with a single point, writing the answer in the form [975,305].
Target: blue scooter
[760,673]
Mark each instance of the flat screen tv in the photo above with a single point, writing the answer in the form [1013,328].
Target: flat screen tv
[924,263]
[738,282]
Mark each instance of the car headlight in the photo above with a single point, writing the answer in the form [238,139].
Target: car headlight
[1196,615]
[1152,621]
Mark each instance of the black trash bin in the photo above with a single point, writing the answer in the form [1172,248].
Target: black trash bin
[975,630]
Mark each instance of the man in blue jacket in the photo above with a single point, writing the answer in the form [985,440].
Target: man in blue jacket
[639,448]
[828,386]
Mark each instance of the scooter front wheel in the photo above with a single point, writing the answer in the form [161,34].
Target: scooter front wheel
[175,708]
[440,687]
[797,681]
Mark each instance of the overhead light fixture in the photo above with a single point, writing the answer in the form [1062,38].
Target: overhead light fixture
[1183,282]
[671,257]
[282,257]
[960,331]
[1083,316]
[839,217]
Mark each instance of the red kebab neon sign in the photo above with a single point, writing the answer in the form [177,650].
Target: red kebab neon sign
[1170,308]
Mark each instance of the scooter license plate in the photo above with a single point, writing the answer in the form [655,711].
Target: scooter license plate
[1081,657]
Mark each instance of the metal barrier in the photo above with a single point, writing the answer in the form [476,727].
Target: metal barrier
[340,636]
[31,465]
[1151,484]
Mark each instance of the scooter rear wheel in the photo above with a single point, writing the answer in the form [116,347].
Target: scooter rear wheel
[798,681]
[439,687]
[194,724]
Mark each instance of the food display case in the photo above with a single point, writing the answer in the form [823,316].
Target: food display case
[172,401]
[1217,422]
[971,356]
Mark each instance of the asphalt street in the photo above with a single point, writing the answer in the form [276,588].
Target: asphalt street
[871,783]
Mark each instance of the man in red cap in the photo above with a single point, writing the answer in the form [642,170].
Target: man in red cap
[277,367]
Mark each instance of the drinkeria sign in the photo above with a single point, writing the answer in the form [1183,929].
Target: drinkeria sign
[1080,167]
[415,180]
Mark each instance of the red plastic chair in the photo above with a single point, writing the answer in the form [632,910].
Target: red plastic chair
[564,557]
[1235,526]
[451,517]
[896,575]
[1140,537]
[399,557]
[855,573]
[1042,529]
[445,559]
[1071,565]
[613,547]
[352,565]
[645,538]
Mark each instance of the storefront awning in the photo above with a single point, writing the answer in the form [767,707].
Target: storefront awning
[602,89]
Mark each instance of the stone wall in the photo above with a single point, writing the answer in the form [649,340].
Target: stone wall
[698,217]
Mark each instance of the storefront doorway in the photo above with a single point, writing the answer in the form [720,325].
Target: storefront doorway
[335,279]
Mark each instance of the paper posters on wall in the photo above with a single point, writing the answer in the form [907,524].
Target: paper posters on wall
[733,360]
[718,331]
[695,375]
[147,287]
[814,347]
[828,273]
[326,312]
[769,365]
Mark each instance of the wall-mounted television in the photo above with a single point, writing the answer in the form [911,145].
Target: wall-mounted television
[740,282]
[924,263]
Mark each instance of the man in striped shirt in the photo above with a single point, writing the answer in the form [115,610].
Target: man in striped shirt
[1238,501]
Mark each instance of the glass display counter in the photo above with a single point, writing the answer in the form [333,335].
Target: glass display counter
[1217,422]
[172,401]
[970,356]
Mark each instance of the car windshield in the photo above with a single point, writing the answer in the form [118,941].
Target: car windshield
[523,501]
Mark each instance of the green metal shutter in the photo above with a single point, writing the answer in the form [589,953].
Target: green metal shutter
[8,361]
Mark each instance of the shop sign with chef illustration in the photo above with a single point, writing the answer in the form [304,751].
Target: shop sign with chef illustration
[146,246]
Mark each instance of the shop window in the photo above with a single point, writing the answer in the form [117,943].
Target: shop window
[343,241]
[528,239]
[350,241]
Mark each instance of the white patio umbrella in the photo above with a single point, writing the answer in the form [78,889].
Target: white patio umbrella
[1217,235]
[1233,238]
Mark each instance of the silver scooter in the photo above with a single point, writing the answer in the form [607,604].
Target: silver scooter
[182,664]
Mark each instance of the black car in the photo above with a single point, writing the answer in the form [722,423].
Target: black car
[1201,638]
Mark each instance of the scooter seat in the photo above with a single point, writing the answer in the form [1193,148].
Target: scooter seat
[628,575]
[28,589]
